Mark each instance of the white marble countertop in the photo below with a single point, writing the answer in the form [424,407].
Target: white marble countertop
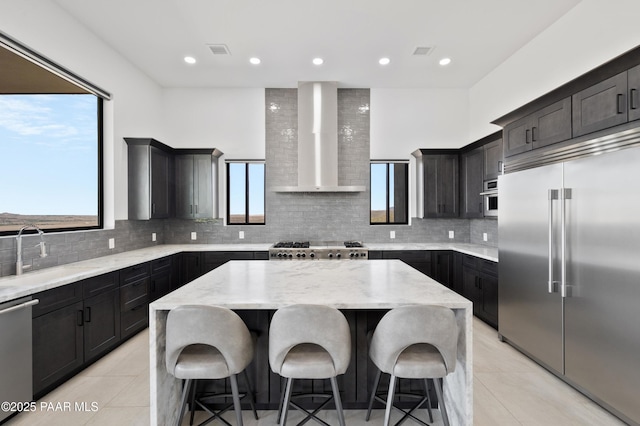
[264,284]
[13,287]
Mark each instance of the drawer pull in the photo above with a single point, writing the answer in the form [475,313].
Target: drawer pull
[138,307]
[87,314]
[80,318]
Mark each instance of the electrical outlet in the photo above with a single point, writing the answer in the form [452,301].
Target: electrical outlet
[485,237]
[112,243]
[241,235]
[194,236]
[392,234]
[450,234]
[153,236]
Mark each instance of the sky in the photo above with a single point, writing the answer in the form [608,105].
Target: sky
[49,154]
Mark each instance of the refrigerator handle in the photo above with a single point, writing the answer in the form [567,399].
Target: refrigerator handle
[565,194]
[553,285]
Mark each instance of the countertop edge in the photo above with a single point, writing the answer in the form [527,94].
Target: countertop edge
[14,287]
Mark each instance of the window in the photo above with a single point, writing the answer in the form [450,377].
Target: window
[389,193]
[245,193]
[50,145]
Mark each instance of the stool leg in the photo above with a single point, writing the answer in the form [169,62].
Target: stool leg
[282,394]
[426,394]
[252,400]
[192,401]
[236,398]
[387,412]
[183,403]
[376,383]
[338,402]
[285,402]
[443,409]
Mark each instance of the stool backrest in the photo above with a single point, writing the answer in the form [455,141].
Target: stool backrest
[414,324]
[208,325]
[321,325]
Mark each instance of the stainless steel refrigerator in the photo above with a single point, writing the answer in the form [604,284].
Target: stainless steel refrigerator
[569,289]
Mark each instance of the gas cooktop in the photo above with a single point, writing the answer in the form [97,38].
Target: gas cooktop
[315,250]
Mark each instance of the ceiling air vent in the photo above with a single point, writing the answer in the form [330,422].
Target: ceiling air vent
[219,49]
[423,50]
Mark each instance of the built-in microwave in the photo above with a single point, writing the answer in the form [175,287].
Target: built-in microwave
[490,197]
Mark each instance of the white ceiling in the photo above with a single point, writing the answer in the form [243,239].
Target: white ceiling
[350,35]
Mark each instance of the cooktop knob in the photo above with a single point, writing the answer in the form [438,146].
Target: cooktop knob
[338,255]
[290,255]
[303,254]
[312,255]
[330,255]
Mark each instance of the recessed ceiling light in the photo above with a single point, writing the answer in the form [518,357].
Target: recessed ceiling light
[445,61]
[190,60]
[384,61]
[255,61]
[318,61]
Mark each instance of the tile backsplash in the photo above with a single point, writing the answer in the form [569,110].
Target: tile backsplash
[289,216]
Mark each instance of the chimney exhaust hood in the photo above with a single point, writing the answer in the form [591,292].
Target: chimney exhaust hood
[318,140]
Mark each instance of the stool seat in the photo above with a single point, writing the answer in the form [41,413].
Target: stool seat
[420,361]
[201,362]
[308,361]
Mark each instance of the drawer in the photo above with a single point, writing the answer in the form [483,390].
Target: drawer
[100,284]
[408,255]
[132,295]
[223,256]
[471,261]
[261,255]
[134,273]
[161,265]
[134,320]
[489,267]
[57,298]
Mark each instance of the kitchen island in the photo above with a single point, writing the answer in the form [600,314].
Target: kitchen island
[363,290]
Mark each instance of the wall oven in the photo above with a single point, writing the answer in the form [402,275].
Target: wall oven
[490,198]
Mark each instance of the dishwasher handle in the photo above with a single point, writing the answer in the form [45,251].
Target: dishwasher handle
[20,306]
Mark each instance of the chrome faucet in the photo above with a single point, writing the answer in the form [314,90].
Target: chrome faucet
[43,248]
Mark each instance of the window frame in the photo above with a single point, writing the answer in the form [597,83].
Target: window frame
[69,77]
[246,192]
[387,197]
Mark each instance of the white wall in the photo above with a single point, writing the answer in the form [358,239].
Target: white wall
[403,120]
[590,34]
[134,110]
[232,120]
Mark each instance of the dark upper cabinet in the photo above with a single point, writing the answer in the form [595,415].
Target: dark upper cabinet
[194,186]
[471,183]
[633,80]
[441,185]
[150,179]
[600,106]
[546,126]
[493,158]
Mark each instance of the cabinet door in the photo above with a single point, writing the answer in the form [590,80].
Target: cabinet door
[57,345]
[493,158]
[442,265]
[203,186]
[471,289]
[101,323]
[160,183]
[517,137]
[600,106]
[551,124]
[184,186]
[472,168]
[160,285]
[489,288]
[634,93]
[190,267]
[441,186]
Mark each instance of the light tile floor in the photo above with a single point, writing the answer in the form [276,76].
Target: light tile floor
[509,389]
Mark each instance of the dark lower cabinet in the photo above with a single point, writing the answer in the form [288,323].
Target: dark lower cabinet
[418,259]
[442,267]
[58,346]
[480,285]
[213,259]
[67,337]
[190,267]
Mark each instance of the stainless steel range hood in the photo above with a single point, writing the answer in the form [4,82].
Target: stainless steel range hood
[318,140]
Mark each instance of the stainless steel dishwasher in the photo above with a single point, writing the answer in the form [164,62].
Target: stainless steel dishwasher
[16,382]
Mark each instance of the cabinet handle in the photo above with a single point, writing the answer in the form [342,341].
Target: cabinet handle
[80,317]
[620,103]
[533,134]
[137,307]
[500,167]
[480,207]
[479,284]
[153,207]
[526,136]
[191,208]
[633,97]
[153,286]
[87,315]
[196,209]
